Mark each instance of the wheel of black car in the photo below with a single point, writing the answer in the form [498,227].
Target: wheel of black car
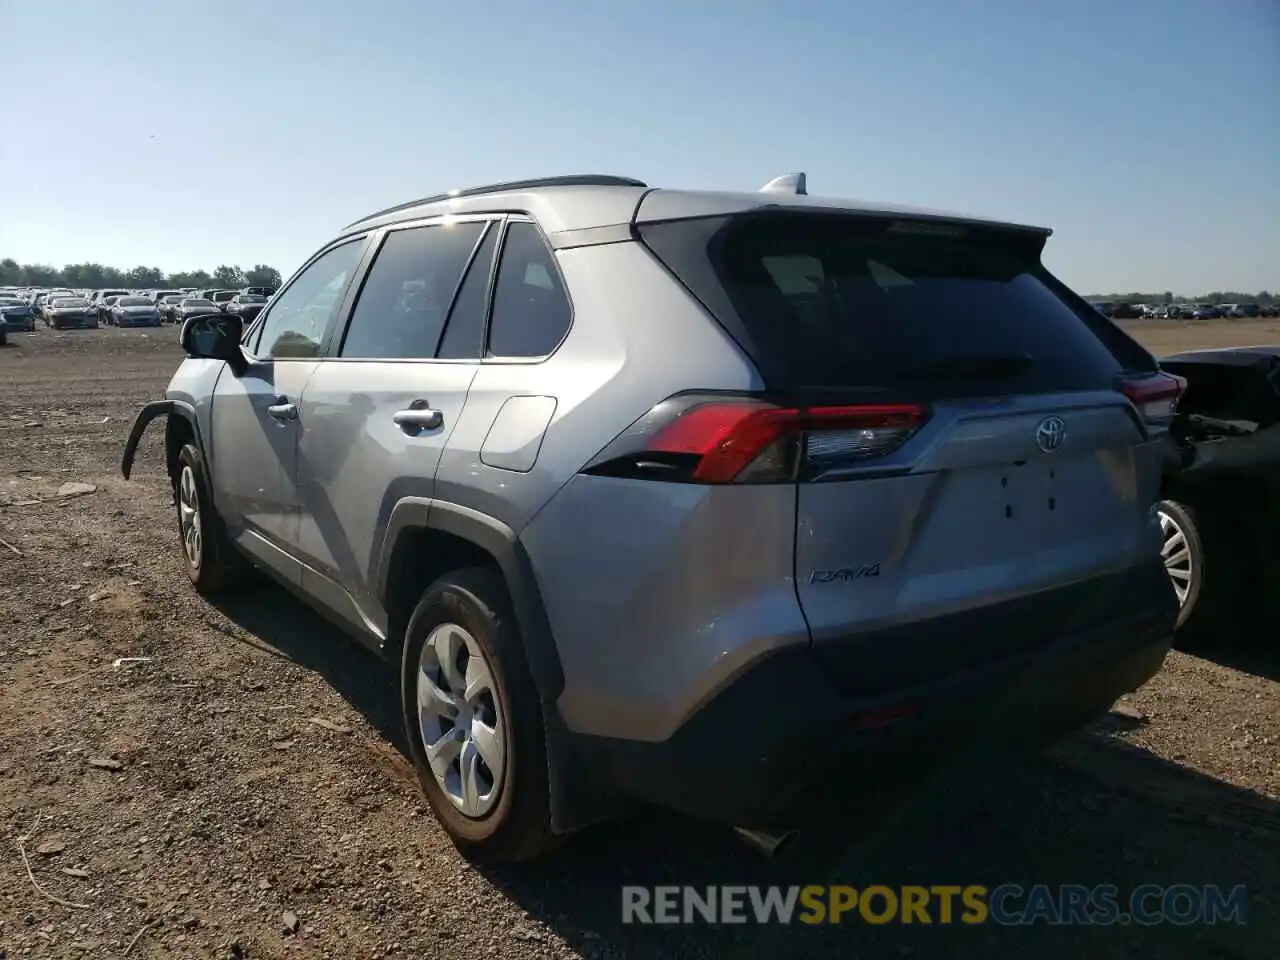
[474,721]
[207,555]
[1217,577]
[1183,555]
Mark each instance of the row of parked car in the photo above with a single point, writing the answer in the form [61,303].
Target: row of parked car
[1185,311]
[63,309]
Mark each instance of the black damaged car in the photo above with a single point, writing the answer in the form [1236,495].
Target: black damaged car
[1221,513]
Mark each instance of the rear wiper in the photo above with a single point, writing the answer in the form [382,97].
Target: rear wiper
[996,367]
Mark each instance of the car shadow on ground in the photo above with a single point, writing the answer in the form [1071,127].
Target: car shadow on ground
[1250,647]
[1095,810]
[283,623]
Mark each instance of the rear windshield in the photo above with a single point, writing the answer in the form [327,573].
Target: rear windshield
[133,302]
[823,300]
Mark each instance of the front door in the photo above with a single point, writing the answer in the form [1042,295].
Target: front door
[255,416]
[254,447]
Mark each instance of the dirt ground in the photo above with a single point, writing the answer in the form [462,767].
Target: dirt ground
[243,791]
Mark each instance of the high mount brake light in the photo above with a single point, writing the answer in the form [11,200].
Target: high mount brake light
[1155,397]
[751,441]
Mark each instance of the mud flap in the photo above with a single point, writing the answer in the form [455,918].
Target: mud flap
[156,408]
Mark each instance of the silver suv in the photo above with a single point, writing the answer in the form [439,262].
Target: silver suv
[691,498]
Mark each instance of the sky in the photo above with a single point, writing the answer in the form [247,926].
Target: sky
[186,134]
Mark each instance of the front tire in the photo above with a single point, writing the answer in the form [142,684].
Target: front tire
[208,557]
[474,720]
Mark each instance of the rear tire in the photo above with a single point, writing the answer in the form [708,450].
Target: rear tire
[209,559]
[489,714]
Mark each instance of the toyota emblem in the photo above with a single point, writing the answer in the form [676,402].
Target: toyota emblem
[1050,434]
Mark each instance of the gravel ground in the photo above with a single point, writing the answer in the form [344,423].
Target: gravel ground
[243,791]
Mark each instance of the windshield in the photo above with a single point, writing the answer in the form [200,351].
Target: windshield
[133,302]
[68,303]
[196,303]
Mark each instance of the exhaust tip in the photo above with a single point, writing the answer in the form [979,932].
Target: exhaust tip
[772,845]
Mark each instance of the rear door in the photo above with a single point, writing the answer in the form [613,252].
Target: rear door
[1013,463]
[378,411]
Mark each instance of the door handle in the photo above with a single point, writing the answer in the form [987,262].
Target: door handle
[418,418]
[282,409]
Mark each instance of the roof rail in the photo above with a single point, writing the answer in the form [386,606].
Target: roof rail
[790,183]
[573,180]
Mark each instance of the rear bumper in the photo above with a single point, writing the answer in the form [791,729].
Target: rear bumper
[784,731]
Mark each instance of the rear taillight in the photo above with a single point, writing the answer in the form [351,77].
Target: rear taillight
[1155,396]
[720,440]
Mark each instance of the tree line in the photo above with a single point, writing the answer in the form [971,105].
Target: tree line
[1215,296]
[95,276]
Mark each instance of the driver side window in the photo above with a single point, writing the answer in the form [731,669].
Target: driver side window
[295,323]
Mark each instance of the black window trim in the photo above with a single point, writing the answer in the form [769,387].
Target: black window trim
[493,286]
[338,336]
[498,226]
[250,349]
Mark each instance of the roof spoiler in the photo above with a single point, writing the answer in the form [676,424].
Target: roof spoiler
[789,183]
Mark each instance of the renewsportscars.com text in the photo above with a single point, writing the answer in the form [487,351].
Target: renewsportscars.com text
[1006,905]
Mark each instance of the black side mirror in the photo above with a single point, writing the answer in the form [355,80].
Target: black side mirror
[215,337]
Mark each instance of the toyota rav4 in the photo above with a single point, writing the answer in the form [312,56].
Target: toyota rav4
[691,498]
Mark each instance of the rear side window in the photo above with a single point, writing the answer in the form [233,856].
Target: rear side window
[837,301]
[402,306]
[531,312]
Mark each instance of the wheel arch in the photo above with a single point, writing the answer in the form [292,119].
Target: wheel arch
[426,538]
[180,429]
[181,426]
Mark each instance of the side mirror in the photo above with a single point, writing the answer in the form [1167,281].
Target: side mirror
[215,337]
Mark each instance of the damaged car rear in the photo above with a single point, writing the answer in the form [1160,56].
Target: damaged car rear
[1221,514]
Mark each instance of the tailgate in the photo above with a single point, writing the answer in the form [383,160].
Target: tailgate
[979,508]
